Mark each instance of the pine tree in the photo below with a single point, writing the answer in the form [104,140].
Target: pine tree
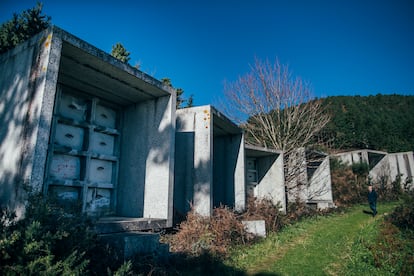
[119,52]
[22,26]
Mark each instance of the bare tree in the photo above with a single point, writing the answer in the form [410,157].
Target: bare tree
[276,110]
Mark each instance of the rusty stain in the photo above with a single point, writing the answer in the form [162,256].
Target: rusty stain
[49,38]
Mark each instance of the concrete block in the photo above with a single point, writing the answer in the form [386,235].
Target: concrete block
[255,227]
[129,244]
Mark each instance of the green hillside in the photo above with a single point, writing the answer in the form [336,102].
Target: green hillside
[381,122]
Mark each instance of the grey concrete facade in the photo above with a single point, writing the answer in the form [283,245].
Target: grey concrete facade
[319,190]
[402,164]
[310,178]
[83,126]
[265,178]
[384,167]
[209,162]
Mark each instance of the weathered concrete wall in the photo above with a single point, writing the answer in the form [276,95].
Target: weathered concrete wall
[311,174]
[402,164]
[270,175]
[146,165]
[193,161]
[371,157]
[297,176]
[380,174]
[228,171]
[28,76]
[384,167]
[320,185]
[209,166]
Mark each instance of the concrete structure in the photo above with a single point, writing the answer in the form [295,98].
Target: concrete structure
[402,164]
[319,191]
[309,178]
[265,177]
[85,128]
[256,228]
[384,168]
[209,162]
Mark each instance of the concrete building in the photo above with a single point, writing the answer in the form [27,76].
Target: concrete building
[86,129]
[265,177]
[319,190]
[384,168]
[309,178]
[402,164]
[209,162]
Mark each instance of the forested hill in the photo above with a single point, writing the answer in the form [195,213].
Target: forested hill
[381,122]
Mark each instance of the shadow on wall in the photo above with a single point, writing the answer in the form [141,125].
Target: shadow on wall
[20,76]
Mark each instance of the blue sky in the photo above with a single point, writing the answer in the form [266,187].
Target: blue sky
[342,47]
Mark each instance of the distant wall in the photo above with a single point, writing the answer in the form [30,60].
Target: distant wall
[386,170]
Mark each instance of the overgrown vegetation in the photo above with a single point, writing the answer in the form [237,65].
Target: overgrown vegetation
[344,243]
[347,187]
[349,184]
[384,247]
[403,215]
[224,230]
[50,242]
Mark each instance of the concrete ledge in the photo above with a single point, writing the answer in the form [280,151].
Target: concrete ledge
[129,244]
[107,225]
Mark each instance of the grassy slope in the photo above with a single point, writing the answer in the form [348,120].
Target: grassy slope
[313,247]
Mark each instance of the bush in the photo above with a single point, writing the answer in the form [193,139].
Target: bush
[264,209]
[44,242]
[48,241]
[299,210]
[393,250]
[198,234]
[347,187]
[403,215]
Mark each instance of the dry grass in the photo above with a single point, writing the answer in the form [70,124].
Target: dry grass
[198,234]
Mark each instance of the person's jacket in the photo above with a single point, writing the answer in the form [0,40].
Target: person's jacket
[372,196]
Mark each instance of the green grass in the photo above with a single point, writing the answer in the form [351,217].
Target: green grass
[318,246]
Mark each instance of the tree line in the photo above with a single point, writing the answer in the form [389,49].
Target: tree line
[380,122]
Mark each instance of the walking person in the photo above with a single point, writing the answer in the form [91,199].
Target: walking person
[372,200]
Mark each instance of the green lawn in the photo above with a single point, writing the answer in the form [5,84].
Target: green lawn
[321,246]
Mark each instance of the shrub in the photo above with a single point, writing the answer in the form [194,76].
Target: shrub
[198,234]
[44,242]
[393,250]
[49,241]
[347,187]
[264,209]
[361,169]
[299,210]
[403,215]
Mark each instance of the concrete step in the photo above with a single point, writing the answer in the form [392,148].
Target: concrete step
[128,244]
